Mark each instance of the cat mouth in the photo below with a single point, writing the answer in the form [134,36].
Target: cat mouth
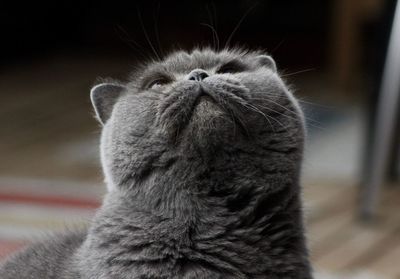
[203,99]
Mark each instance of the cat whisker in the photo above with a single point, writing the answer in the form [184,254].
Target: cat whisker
[239,120]
[215,35]
[255,109]
[215,22]
[234,119]
[213,27]
[147,36]
[293,112]
[298,99]
[277,46]
[298,72]
[314,104]
[309,119]
[137,47]
[238,24]
[290,117]
[155,17]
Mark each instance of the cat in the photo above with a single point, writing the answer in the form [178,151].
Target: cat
[201,154]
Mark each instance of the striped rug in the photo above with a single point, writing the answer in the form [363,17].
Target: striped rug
[30,209]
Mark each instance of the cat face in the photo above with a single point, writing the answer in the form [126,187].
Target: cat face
[192,104]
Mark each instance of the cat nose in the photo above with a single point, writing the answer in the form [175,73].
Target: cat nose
[197,75]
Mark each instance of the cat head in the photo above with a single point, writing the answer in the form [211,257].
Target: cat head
[192,104]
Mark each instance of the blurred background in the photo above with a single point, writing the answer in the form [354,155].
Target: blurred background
[331,52]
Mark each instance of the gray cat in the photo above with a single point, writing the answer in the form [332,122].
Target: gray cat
[201,154]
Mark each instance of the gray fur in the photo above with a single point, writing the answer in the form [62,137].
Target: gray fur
[103,97]
[203,180]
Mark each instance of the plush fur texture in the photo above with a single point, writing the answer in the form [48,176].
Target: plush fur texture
[202,154]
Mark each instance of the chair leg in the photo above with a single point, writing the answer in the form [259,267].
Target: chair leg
[388,104]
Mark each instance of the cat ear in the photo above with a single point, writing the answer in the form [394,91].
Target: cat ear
[266,61]
[103,97]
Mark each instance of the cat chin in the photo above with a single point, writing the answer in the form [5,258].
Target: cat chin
[211,125]
[207,110]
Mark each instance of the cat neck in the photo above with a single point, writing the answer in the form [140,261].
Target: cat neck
[228,215]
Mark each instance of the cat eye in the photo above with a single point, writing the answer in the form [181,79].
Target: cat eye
[232,67]
[157,83]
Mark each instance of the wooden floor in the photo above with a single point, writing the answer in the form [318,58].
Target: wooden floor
[48,132]
[341,243]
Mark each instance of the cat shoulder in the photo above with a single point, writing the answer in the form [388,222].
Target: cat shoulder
[45,259]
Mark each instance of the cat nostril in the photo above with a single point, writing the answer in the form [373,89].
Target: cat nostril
[197,75]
